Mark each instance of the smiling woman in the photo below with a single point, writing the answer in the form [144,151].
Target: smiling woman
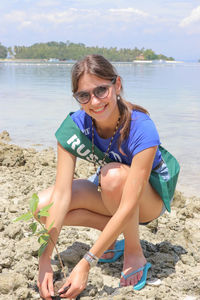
[133,185]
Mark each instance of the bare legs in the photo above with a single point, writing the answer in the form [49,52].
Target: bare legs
[149,208]
[91,209]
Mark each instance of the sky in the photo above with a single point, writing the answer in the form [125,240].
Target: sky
[168,27]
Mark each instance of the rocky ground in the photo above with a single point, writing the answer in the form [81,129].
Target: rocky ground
[171,244]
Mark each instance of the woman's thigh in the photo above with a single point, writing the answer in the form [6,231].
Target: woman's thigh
[113,179]
[84,195]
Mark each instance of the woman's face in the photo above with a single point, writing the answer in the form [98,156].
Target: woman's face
[100,109]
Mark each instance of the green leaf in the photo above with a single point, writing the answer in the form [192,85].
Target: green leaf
[51,226]
[33,227]
[42,248]
[24,217]
[43,239]
[43,213]
[41,232]
[34,203]
[46,208]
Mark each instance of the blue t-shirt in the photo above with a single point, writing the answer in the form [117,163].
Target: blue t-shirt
[143,134]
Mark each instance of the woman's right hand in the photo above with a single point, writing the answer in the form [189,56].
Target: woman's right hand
[45,279]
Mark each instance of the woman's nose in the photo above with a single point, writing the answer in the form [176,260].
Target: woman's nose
[94,100]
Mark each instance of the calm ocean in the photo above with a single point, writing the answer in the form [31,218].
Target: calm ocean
[35,98]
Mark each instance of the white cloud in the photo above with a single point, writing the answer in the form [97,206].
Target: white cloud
[194,17]
[129,10]
[48,3]
[68,16]
[25,24]
[15,16]
[71,15]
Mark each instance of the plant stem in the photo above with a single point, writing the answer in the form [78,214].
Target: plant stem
[56,248]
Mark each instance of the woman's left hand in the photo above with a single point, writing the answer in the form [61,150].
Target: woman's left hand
[77,280]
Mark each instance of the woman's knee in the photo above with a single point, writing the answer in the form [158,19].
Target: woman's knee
[44,197]
[113,177]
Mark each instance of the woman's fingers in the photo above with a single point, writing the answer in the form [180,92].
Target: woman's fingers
[50,287]
[64,289]
[46,289]
[72,292]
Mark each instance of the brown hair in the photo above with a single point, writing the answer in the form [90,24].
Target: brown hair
[99,66]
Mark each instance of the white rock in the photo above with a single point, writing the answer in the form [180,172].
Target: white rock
[154,282]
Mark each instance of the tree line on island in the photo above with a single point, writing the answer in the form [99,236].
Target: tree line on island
[72,51]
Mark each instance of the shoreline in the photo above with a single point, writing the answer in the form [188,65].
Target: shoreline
[170,243]
[51,61]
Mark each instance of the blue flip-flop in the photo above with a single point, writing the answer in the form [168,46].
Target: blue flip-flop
[143,279]
[118,252]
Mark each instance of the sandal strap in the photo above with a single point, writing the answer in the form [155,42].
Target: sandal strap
[114,250]
[132,273]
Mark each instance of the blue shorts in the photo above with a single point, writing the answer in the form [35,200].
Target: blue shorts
[163,170]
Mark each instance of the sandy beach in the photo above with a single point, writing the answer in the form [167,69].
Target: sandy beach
[171,243]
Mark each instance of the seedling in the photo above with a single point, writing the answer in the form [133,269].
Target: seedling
[42,233]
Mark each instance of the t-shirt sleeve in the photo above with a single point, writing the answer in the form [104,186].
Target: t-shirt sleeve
[144,135]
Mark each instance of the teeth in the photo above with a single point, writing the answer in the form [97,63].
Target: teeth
[101,108]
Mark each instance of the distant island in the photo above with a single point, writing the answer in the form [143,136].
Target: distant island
[60,51]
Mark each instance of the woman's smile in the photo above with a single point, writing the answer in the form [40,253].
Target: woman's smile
[99,110]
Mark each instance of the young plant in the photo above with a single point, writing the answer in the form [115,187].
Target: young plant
[42,233]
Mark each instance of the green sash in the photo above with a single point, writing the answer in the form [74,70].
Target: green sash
[166,188]
[75,142]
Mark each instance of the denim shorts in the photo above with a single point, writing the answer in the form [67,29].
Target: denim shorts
[94,179]
[162,169]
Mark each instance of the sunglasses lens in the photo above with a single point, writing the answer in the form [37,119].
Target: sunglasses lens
[82,97]
[101,92]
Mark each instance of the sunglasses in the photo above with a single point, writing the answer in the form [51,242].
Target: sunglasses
[99,92]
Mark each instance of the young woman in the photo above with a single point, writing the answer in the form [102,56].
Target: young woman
[129,153]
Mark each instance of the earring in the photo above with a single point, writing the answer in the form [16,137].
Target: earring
[118,97]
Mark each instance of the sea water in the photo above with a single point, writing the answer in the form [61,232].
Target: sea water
[36,97]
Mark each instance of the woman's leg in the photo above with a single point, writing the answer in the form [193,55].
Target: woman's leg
[86,209]
[113,177]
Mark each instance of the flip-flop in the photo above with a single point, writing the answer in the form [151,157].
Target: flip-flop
[118,252]
[143,279]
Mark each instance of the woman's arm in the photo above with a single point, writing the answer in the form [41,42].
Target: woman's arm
[137,178]
[61,198]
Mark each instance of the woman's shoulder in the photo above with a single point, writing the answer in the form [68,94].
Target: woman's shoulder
[141,123]
[81,119]
[79,114]
[137,115]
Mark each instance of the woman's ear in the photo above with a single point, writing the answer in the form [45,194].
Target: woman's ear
[118,85]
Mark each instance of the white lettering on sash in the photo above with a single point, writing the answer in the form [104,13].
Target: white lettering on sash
[81,148]
[90,157]
[116,156]
[86,131]
[74,140]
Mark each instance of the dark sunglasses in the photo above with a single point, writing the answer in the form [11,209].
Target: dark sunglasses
[99,92]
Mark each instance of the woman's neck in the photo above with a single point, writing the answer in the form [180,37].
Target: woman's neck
[106,129]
